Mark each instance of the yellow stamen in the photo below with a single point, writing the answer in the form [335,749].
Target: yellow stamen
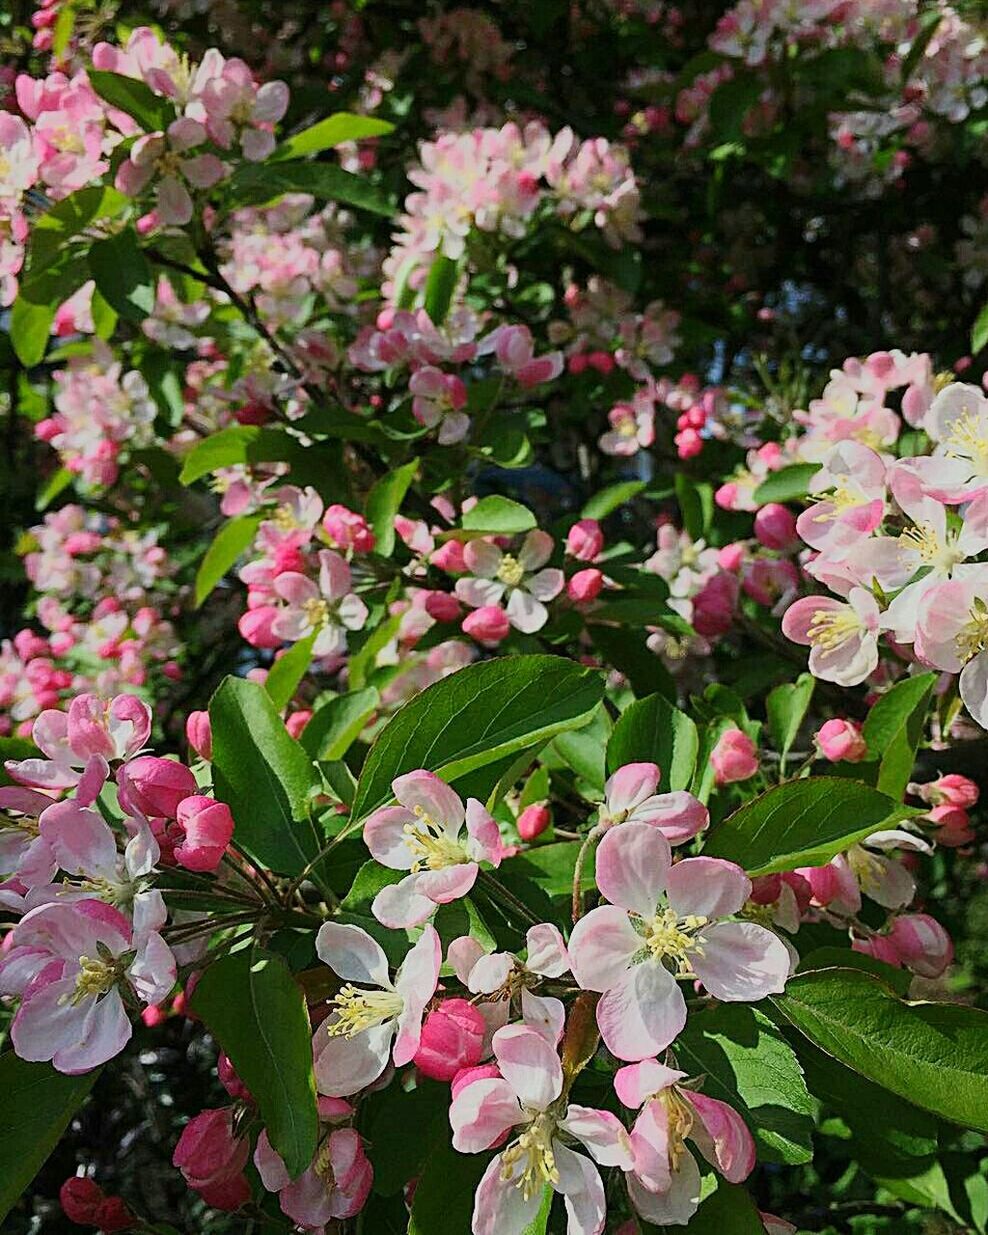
[357,1010]
[316,612]
[533,1149]
[923,538]
[431,845]
[670,937]
[680,1119]
[832,627]
[969,440]
[510,572]
[96,977]
[868,868]
[972,638]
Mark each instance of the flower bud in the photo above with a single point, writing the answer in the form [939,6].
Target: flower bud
[297,722]
[533,821]
[841,740]
[155,786]
[952,789]
[953,825]
[585,586]
[585,540]
[199,734]
[347,529]
[229,1079]
[212,1159]
[488,624]
[734,758]
[775,527]
[922,944]
[442,606]
[452,1038]
[449,557]
[80,1200]
[208,830]
[731,557]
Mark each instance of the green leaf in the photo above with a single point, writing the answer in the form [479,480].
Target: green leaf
[651,730]
[38,1103]
[440,286]
[979,331]
[123,276]
[224,550]
[34,309]
[341,127]
[786,706]
[387,1117]
[57,483]
[336,724]
[802,823]
[894,728]
[444,1195]
[934,1055]
[264,776]
[257,183]
[383,503]
[584,749]
[728,1211]
[256,1012]
[128,94]
[696,504]
[786,485]
[237,444]
[287,671]
[746,1062]
[477,716]
[499,516]
[608,500]
[51,231]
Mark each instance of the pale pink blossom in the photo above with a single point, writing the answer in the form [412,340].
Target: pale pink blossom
[327,608]
[630,797]
[439,399]
[842,638]
[523,579]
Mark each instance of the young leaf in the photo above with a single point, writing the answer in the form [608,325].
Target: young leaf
[786,485]
[893,729]
[256,1012]
[383,503]
[498,516]
[802,823]
[696,504]
[979,331]
[287,671]
[264,776]
[477,716]
[224,550]
[440,286]
[608,500]
[932,1054]
[38,1103]
[341,127]
[123,276]
[335,725]
[786,706]
[257,183]
[651,730]
[128,94]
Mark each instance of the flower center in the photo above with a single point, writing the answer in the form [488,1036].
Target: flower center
[972,638]
[431,845]
[530,1161]
[943,555]
[357,1010]
[322,1164]
[96,977]
[628,427]
[832,627]
[510,572]
[968,439]
[679,1119]
[284,518]
[670,937]
[316,612]
[841,500]
[868,868]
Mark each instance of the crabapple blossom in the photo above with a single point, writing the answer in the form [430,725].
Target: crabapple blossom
[326,609]
[952,635]
[164,160]
[839,739]
[439,399]
[661,915]
[367,1028]
[452,1039]
[664,1183]
[734,758]
[842,636]
[630,797]
[532,821]
[422,834]
[523,578]
[211,1154]
[522,1104]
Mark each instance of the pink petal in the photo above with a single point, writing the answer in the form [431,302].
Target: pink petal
[604,1135]
[633,862]
[432,796]
[482,558]
[384,836]
[650,1142]
[636,1082]
[344,1066]
[416,982]
[479,592]
[334,575]
[643,1013]
[545,1014]
[707,887]
[535,551]
[399,906]
[583,1193]
[481,1113]
[741,962]
[547,953]
[601,947]
[630,786]
[484,832]
[352,954]
[499,1206]
[722,1137]
[530,1065]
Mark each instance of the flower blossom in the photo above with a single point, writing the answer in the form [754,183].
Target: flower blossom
[521,578]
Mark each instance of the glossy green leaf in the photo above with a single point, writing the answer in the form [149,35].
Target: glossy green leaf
[440,286]
[224,550]
[786,485]
[123,276]
[610,499]
[341,127]
[477,716]
[932,1054]
[499,516]
[894,728]
[131,95]
[256,1011]
[802,823]
[384,502]
[651,730]
[786,707]
[256,183]
[287,671]
[336,724]
[38,1103]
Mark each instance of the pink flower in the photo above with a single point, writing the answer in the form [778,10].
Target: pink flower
[334,1187]
[327,609]
[585,586]
[842,637]
[347,530]
[952,635]
[199,734]
[367,1027]
[519,578]
[439,399]
[630,797]
[922,944]
[515,351]
[734,758]
[154,786]
[533,821]
[68,963]
[422,835]
[585,540]
[664,1184]
[522,1105]
[452,1038]
[212,1157]
[489,624]
[632,428]
[951,789]
[839,739]
[208,829]
[659,916]
[836,523]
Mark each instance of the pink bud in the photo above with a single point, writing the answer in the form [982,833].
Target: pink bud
[199,734]
[585,585]
[731,557]
[297,721]
[449,557]
[80,1200]
[255,627]
[954,789]
[488,624]
[953,825]
[603,362]
[576,364]
[347,529]
[688,444]
[841,739]
[585,540]
[442,606]
[726,496]
[212,1158]
[713,607]
[775,527]
[533,821]
[155,786]
[452,1038]
[922,943]
[229,1079]
[734,758]
[208,828]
